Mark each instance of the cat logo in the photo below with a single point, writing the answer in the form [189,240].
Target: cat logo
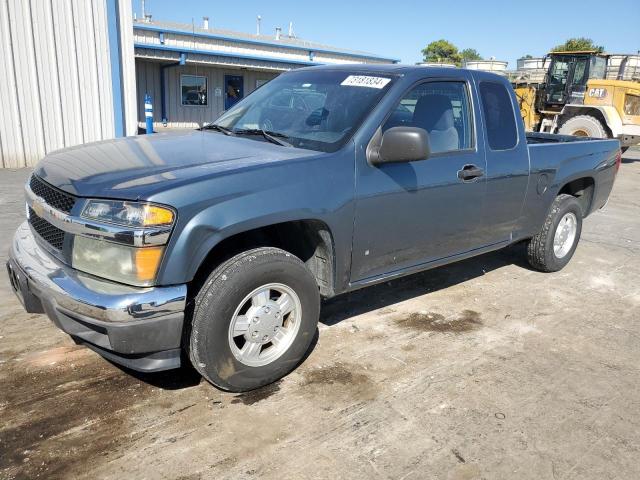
[598,92]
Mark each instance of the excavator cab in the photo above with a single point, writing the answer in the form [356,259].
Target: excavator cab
[566,80]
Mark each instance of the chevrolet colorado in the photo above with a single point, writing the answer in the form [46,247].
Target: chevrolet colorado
[215,245]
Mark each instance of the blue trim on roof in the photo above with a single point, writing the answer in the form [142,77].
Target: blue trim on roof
[214,53]
[261,42]
[116,76]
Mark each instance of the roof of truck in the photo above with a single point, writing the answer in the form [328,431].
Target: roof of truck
[380,68]
[391,69]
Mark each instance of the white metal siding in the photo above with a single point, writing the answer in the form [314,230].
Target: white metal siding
[148,77]
[55,76]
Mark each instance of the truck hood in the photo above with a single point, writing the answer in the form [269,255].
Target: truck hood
[138,167]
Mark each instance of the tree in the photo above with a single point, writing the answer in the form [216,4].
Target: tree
[442,51]
[527,56]
[470,54]
[577,44]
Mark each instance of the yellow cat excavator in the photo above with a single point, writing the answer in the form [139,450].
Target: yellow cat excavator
[585,93]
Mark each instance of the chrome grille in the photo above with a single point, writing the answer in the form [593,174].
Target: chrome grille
[49,233]
[54,197]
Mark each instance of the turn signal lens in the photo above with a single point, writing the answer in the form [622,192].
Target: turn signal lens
[154,215]
[147,262]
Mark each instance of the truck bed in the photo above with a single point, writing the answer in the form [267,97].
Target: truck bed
[537,137]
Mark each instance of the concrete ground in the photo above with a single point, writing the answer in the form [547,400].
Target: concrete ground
[480,370]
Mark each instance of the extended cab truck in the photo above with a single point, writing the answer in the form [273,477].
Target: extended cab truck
[216,245]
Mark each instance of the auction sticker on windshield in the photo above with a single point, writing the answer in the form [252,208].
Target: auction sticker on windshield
[365,81]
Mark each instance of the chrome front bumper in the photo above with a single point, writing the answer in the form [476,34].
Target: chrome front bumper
[140,328]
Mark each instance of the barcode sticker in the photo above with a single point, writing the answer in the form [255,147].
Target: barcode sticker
[365,81]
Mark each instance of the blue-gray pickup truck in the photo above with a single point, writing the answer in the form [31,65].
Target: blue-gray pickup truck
[215,246]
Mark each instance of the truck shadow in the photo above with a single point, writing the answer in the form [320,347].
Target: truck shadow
[183,377]
[378,296]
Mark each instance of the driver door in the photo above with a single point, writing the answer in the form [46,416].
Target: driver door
[413,213]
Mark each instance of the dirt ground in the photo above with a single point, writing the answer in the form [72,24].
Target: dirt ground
[480,370]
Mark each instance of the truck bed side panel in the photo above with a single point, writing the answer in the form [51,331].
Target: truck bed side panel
[554,165]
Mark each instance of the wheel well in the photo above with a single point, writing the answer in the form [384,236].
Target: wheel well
[593,112]
[309,240]
[582,189]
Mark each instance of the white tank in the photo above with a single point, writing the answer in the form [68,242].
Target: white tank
[536,63]
[495,66]
[531,70]
[435,64]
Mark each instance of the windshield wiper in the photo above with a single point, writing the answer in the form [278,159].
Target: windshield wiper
[218,128]
[273,137]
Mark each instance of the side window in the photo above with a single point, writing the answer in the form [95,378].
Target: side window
[498,116]
[442,109]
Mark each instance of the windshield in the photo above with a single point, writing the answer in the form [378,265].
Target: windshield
[315,110]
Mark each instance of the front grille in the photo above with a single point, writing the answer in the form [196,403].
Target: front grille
[49,233]
[56,198]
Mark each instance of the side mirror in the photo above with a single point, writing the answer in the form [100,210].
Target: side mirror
[399,144]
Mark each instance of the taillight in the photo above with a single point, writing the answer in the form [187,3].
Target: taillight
[618,160]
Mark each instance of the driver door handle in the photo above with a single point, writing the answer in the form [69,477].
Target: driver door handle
[470,172]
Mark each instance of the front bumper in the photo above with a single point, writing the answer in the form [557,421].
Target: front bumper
[140,328]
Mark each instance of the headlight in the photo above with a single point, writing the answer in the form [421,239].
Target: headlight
[133,214]
[113,261]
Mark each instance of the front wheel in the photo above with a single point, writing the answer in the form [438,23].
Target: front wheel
[552,248]
[254,319]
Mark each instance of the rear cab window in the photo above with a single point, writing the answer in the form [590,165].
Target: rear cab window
[499,118]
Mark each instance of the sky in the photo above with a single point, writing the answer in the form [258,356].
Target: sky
[506,30]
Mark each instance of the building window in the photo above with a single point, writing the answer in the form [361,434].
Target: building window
[194,91]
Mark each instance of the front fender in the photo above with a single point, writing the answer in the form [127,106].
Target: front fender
[315,189]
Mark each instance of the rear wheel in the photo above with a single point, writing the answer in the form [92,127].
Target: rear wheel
[552,248]
[254,319]
[584,126]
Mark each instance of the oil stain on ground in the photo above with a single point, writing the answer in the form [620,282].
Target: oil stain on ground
[340,378]
[467,321]
[336,373]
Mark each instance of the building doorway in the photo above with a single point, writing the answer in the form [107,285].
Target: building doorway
[233,90]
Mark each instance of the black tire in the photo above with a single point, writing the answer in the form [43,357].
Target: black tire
[540,250]
[216,302]
[584,126]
